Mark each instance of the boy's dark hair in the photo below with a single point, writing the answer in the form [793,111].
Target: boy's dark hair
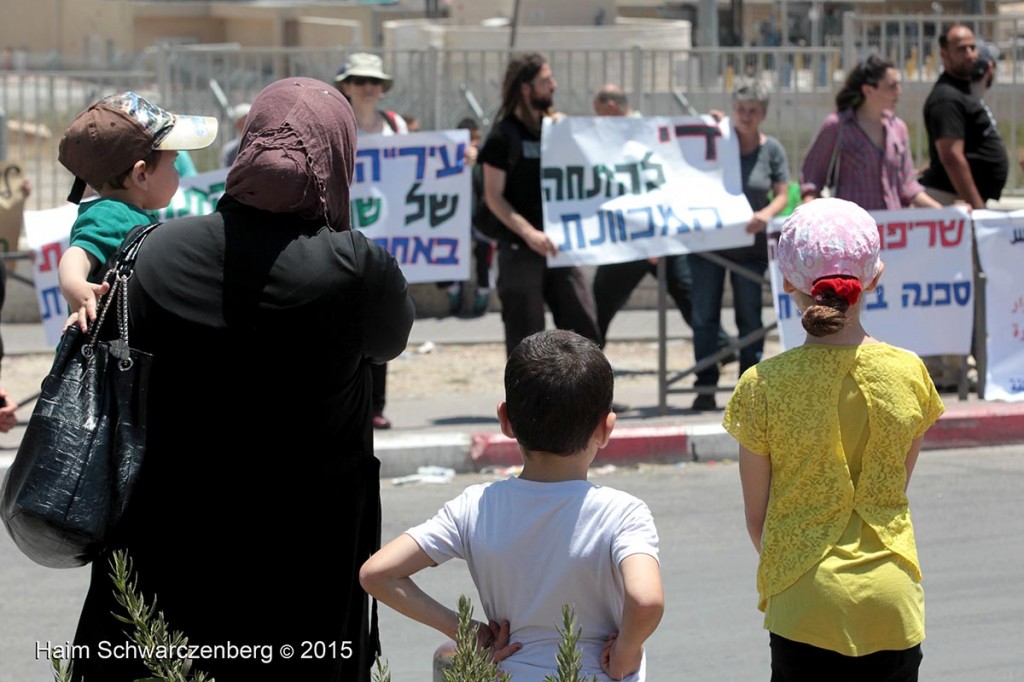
[468,124]
[117,182]
[558,386]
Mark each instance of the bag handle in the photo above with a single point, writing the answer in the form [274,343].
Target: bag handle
[118,275]
[832,173]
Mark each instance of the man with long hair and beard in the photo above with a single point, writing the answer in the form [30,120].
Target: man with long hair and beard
[511,167]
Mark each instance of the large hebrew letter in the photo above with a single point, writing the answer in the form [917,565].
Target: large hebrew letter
[442,207]
[448,168]
[649,231]
[647,165]
[951,233]
[400,243]
[552,173]
[574,182]
[785,306]
[879,303]
[422,247]
[367,211]
[419,200]
[915,289]
[49,257]
[569,221]
[52,303]
[633,171]
[442,243]
[374,156]
[941,288]
[716,225]
[667,216]
[421,158]
[896,236]
[929,225]
[962,292]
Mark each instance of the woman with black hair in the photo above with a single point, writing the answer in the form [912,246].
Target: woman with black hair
[862,152]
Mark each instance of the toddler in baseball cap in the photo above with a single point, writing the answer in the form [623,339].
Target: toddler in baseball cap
[124,147]
[828,255]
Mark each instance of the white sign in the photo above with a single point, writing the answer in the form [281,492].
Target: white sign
[619,189]
[196,195]
[47,235]
[412,194]
[1000,238]
[925,299]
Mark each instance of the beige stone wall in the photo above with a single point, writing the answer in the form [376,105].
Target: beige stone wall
[533,12]
[323,32]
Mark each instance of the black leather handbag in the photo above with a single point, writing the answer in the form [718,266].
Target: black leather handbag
[83,447]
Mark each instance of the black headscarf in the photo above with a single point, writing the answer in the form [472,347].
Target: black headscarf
[297,152]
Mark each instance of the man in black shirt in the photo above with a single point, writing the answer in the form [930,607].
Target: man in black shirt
[511,164]
[968,158]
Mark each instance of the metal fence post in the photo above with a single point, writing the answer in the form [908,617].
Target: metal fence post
[849,42]
[638,78]
[163,72]
[3,135]
[433,84]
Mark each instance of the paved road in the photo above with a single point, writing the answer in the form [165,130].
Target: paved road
[970,535]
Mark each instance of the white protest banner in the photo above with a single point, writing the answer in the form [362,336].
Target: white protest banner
[46,233]
[1000,238]
[196,195]
[619,189]
[412,194]
[925,299]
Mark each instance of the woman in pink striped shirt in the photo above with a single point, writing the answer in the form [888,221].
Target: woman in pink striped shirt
[873,166]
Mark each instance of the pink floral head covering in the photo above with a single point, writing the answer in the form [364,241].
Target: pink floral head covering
[825,238]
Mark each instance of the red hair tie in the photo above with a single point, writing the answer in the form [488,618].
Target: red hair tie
[846,288]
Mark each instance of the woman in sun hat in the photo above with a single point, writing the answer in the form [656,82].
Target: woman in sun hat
[829,433]
[363,82]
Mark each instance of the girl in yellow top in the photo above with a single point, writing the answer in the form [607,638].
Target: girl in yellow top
[829,433]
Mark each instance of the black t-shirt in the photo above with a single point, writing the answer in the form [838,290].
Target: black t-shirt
[522,181]
[951,111]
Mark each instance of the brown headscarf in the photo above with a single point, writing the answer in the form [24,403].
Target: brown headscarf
[297,152]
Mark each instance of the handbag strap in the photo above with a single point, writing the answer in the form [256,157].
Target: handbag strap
[118,275]
[832,173]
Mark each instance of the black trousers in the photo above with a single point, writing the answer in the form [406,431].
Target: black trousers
[526,283]
[614,283]
[379,378]
[799,662]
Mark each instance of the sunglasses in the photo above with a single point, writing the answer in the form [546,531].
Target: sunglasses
[363,80]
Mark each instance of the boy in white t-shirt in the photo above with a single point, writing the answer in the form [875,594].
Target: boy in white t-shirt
[546,538]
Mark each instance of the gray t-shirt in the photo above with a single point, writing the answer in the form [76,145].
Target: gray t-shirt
[759,171]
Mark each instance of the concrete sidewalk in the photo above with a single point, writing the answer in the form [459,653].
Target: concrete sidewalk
[458,429]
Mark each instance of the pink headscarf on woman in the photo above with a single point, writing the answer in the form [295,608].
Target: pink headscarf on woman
[297,152]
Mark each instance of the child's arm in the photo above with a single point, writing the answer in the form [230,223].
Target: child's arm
[385,575]
[756,478]
[641,613]
[911,460]
[73,271]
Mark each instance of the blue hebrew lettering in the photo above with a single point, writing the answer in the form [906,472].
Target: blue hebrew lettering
[374,156]
[649,231]
[422,247]
[667,216]
[716,224]
[403,244]
[421,158]
[911,287]
[962,292]
[448,168]
[879,303]
[452,245]
[568,220]
[52,303]
[941,288]
[785,306]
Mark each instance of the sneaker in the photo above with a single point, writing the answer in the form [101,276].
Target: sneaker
[454,303]
[705,402]
[380,422]
[480,302]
